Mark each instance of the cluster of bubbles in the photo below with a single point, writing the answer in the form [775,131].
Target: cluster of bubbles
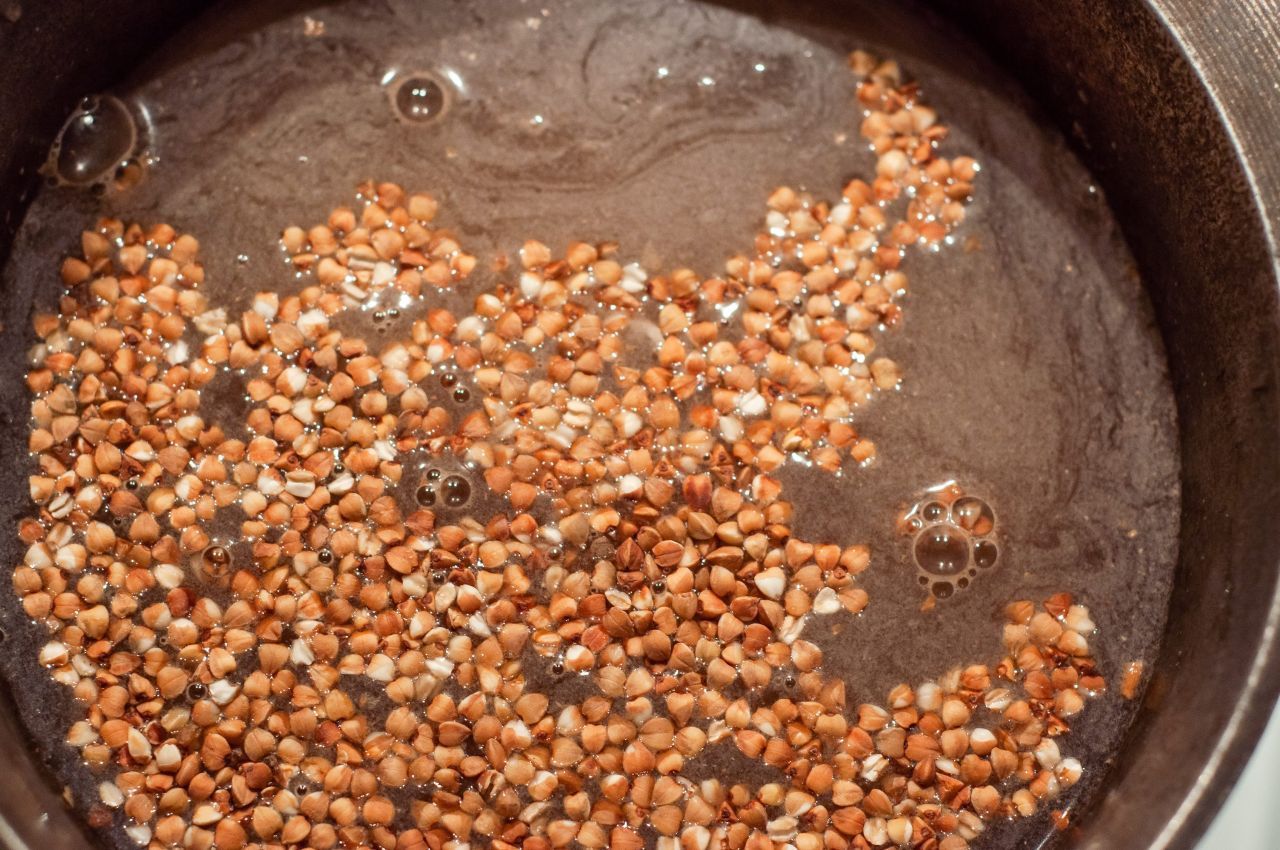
[953,540]
[451,491]
[460,394]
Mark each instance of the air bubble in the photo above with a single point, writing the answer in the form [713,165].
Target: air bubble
[98,138]
[419,98]
[985,553]
[215,561]
[933,511]
[943,589]
[433,474]
[426,495]
[461,394]
[456,490]
[942,550]
[974,515]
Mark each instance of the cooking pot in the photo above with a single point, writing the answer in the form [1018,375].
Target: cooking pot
[1174,106]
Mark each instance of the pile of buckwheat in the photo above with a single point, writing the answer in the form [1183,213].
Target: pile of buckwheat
[283,632]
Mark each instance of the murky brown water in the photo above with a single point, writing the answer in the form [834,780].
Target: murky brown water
[1033,373]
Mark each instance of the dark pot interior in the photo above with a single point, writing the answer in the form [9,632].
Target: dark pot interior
[1156,100]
